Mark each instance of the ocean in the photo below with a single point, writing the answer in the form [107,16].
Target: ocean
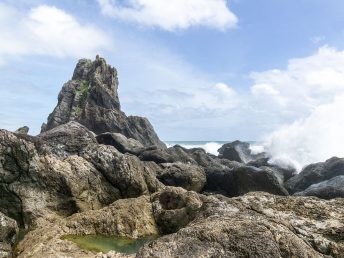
[211,146]
[208,146]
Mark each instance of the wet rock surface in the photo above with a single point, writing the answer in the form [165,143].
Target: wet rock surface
[328,189]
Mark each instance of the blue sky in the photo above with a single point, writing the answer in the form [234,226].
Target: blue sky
[204,70]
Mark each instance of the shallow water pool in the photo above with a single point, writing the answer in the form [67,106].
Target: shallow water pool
[105,244]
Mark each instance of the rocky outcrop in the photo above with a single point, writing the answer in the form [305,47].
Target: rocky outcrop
[8,235]
[78,175]
[23,130]
[91,98]
[316,173]
[34,183]
[238,151]
[328,189]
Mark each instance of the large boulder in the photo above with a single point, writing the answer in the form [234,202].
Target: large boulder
[68,139]
[8,235]
[243,179]
[238,151]
[180,154]
[315,173]
[121,143]
[127,173]
[189,177]
[156,154]
[328,189]
[284,172]
[91,98]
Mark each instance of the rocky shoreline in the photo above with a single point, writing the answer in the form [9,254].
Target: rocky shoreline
[94,170]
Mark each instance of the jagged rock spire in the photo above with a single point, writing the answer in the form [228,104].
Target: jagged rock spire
[91,98]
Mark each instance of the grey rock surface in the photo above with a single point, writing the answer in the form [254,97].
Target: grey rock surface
[238,151]
[121,143]
[189,177]
[315,173]
[240,180]
[328,189]
[256,225]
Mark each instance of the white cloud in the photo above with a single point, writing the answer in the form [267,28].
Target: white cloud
[172,15]
[305,84]
[47,30]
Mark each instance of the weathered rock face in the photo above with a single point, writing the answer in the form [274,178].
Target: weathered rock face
[238,151]
[253,225]
[124,218]
[37,179]
[68,139]
[189,177]
[91,98]
[8,235]
[126,172]
[315,173]
[257,225]
[328,189]
[33,184]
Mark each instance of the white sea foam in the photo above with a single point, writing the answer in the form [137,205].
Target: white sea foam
[210,147]
[316,138]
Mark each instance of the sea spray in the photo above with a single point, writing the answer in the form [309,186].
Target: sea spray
[316,138]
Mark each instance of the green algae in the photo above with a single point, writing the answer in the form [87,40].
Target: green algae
[105,244]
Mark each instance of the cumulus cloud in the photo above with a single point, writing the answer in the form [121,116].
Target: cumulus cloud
[172,15]
[47,30]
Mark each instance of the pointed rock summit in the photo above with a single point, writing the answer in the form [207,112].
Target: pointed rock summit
[91,98]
